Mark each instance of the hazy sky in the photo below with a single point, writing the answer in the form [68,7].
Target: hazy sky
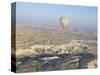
[80,17]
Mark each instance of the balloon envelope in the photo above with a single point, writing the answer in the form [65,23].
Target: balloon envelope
[64,21]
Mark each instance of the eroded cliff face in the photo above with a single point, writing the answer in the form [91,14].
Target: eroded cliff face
[72,47]
[73,55]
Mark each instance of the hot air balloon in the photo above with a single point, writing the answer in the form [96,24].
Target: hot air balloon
[64,21]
